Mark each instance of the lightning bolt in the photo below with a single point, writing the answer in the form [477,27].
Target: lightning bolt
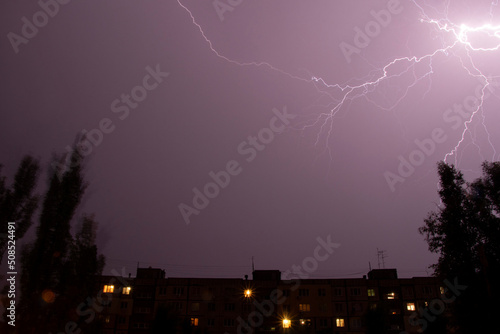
[461,33]
[456,39]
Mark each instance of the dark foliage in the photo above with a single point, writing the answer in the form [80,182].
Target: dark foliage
[17,203]
[465,232]
[58,269]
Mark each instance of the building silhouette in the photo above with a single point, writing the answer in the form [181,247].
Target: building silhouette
[267,303]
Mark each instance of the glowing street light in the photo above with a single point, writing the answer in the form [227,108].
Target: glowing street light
[287,323]
[248,293]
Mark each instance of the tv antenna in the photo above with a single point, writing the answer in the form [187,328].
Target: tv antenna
[381,255]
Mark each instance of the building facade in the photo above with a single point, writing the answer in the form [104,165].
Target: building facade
[153,303]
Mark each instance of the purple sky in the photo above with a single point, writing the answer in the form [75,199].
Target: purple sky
[325,174]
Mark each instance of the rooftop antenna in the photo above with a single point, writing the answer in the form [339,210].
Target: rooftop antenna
[370,265]
[381,258]
[253,267]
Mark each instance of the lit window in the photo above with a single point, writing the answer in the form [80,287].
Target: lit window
[108,289]
[126,290]
[305,322]
[371,293]
[287,323]
[248,293]
[426,303]
[340,322]
[304,307]
[194,322]
[410,306]
[391,295]
[442,290]
[107,319]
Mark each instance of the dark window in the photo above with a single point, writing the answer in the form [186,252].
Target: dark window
[228,322]
[304,292]
[427,290]
[339,307]
[178,291]
[323,307]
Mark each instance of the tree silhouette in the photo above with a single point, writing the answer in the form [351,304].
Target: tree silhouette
[465,231]
[17,203]
[59,270]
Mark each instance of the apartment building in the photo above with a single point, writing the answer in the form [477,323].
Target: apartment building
[153,303]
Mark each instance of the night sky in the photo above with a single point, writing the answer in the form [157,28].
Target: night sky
[308,108]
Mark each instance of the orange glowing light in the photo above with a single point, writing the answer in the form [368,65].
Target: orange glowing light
[48,296]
